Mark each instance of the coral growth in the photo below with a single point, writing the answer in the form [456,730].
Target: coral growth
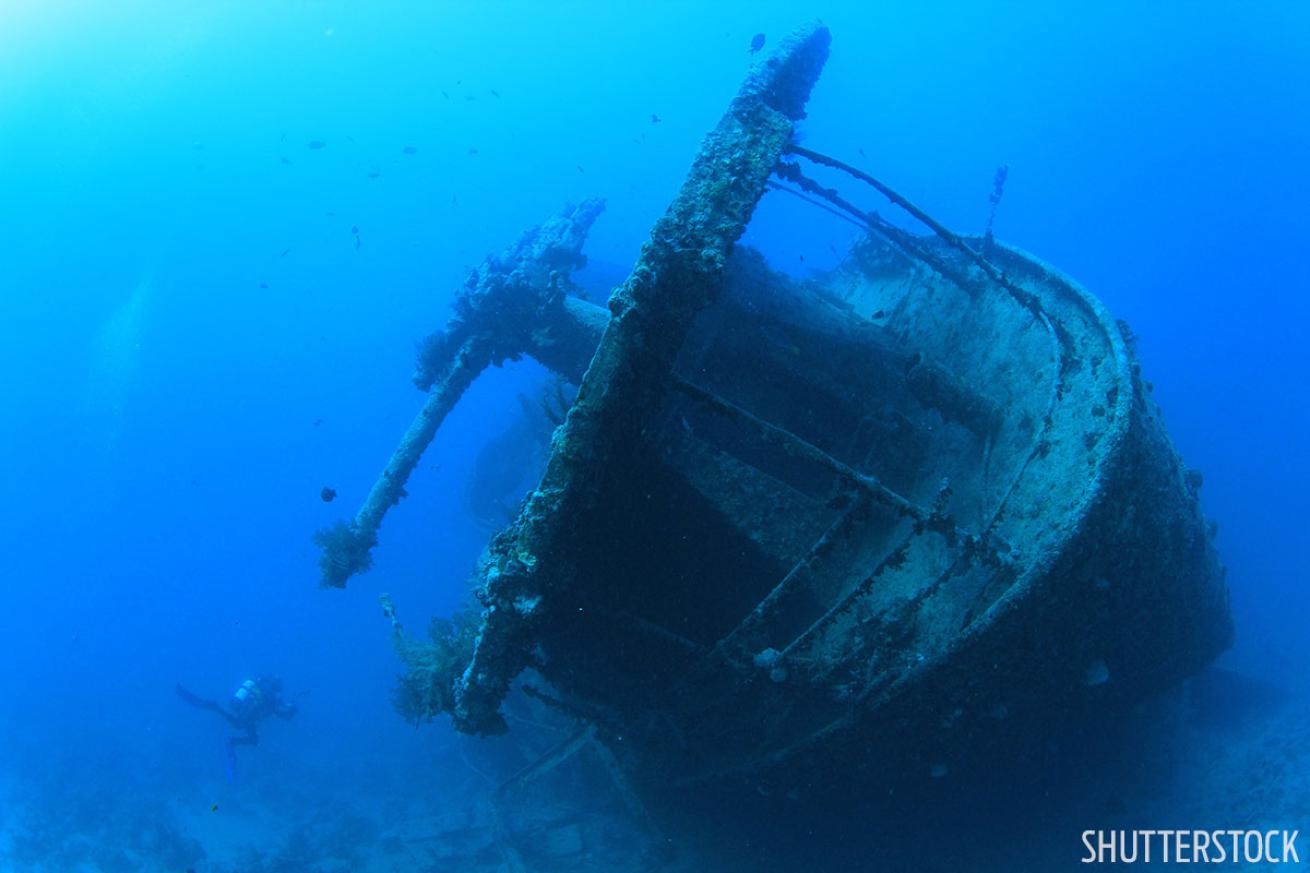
[508,297]
[345,553]
[426,688]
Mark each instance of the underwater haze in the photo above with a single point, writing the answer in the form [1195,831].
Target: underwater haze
[224,227]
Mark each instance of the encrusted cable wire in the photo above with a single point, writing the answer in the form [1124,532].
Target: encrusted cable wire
[792,173]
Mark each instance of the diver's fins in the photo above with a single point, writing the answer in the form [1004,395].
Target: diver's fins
[193,699]
[211,705]
[230,763]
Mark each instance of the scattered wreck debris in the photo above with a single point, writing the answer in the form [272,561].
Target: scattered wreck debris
[799,535]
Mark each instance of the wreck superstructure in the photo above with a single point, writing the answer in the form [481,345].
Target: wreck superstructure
[801,534]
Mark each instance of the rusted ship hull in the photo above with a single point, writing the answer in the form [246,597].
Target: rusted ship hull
[895,647]
[798,535]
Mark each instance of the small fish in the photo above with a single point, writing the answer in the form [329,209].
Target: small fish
[213,807]
[316,144]
[654,119]
[579,168]
[757,43]
[862,154]
[374,174]
[327,495]
[354,228]
[317,422]
[285,252]
[286,161]
[444,94]
[495,93]
[409,150]
[472,151]
[469,98]
[454,199]
[263,285]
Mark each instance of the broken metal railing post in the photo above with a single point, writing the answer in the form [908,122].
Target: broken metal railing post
[935,226]
[516,303]
[680,272]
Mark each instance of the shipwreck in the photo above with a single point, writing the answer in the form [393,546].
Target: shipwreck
[796,535]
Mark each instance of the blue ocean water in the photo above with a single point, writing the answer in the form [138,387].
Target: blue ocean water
[225,226]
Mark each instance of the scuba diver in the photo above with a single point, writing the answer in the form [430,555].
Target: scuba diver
[254,701]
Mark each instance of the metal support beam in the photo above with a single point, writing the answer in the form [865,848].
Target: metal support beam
[681,270]
[516,303]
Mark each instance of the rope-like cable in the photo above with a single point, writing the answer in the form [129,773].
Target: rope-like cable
[1025,298]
